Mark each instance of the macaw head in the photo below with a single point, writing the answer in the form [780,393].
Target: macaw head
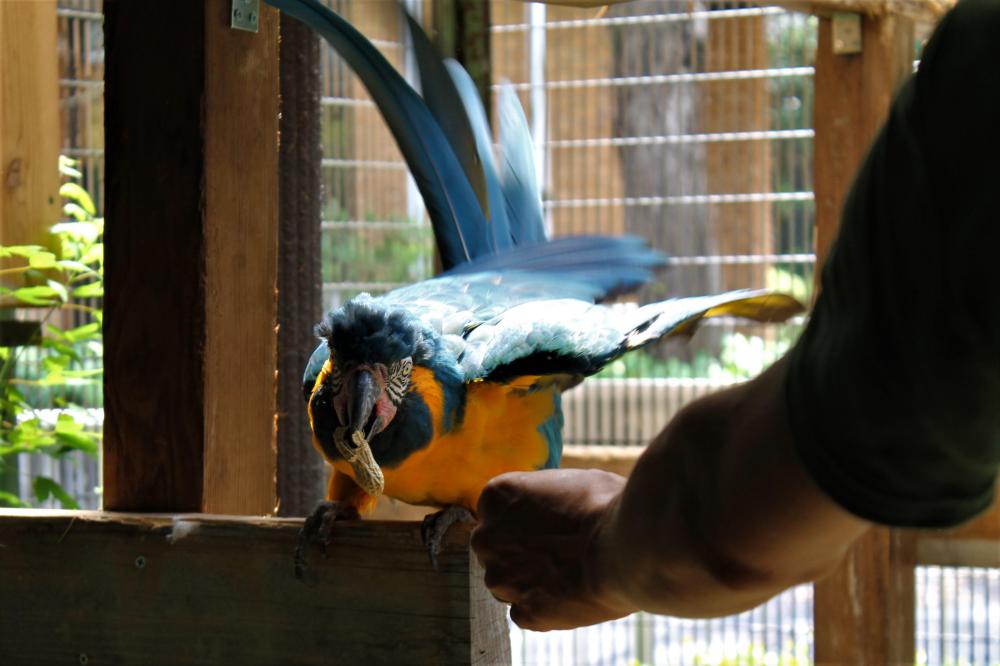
[372,350]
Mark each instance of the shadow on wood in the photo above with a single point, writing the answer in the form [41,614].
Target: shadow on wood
[196,589]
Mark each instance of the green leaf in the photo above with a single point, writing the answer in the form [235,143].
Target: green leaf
[66,167]
[42,260]
[45,487]
[38,295]
[79,195]
[90,290]
[95,255]
[78,441]
[87,231]
[75,211]
[91,331]
[26,251]
[10,499]
[60,289]
[74,266]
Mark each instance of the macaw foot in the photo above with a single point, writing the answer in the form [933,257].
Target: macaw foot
[436,526]
[318,529]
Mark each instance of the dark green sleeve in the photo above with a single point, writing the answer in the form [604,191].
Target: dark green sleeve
[894,388]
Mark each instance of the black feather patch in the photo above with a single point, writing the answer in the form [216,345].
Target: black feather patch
[365,331]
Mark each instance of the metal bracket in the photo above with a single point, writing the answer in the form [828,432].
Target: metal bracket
[244,15]
[846,33]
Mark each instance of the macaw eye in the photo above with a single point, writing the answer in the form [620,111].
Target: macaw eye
[399,379]
[336,378]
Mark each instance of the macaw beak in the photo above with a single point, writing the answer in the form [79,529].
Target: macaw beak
[366,392]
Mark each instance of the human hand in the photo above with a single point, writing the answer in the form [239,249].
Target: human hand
[542,540]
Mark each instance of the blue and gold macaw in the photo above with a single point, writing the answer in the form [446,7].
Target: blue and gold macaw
[427,392]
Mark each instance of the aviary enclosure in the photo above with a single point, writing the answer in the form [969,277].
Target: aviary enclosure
[696,125]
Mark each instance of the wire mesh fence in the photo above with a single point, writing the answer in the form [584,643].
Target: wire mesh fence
[958,616]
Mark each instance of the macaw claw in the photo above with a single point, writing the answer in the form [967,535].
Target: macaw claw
[318,529]
[436,526]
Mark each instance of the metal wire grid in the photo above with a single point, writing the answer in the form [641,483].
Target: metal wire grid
[958,616]
[777,632]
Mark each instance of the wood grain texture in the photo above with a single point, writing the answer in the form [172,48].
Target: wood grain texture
[197,589]
[986,526]
[241,262]
[864,611]
[617,459]
[154,257]
[301,471]
[29,122]
[853,95]
[947,552]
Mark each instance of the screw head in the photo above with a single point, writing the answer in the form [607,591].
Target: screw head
[140,562]
[84,659]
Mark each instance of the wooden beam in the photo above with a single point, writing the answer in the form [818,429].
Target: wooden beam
[942,551]
[853,94]
[462,32]
[864,611]
[178,589]
[190,267]
[986,526]
[617,459]
[241,262]
[301,471]
[29,122]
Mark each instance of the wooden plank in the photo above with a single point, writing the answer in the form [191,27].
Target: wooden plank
[241,262]
[198,589]
[986,526]
[462,32]
[943,551]
[191,244]
[29,121]
[154,248]
[301,471]
[617,459]
[864,611]
[853,94]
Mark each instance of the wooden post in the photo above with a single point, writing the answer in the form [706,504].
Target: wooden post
[864,612]
[29,122]
[462,30]
[89,587]
[191,259]
[301,471]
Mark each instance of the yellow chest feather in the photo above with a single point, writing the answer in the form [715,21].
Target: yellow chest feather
[499,433]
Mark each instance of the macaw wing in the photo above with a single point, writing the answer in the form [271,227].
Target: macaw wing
[570,337]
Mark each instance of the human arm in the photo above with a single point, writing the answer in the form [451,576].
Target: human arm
[717,516]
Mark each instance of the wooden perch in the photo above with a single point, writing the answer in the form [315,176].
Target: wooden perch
[92,587]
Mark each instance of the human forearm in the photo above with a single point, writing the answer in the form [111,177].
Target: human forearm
[719,515]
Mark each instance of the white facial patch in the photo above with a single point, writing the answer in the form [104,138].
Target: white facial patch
[399,379]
